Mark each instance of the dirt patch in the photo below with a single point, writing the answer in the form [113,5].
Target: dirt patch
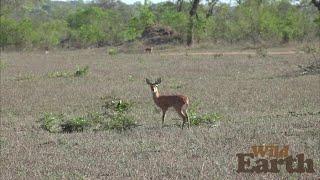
[156,35]
[232,53]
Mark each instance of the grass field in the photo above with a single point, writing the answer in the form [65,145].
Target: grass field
[262,100]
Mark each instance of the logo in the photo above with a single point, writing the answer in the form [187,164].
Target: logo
[268,158]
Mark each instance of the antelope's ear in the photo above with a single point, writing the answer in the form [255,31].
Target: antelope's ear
[148,81]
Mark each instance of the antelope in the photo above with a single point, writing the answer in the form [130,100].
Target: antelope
[179,102]
[148,49]
[46,50]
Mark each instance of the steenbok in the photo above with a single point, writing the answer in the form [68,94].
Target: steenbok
[148,49]
[179,102]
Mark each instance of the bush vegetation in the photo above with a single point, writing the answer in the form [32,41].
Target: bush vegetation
[208,118]
[80,72]
[39,24]
[114,117]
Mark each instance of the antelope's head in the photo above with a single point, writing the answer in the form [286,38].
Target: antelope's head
[153,86]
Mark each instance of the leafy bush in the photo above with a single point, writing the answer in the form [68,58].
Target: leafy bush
[81,71]
[115,110]
[196,119]
[25,77]
[50,33]
[115,105]
[121,122]
[176,20]
[52,122]
[115,119]
[144,18]
[78,73]
[210,118]
[7,31]
[17,33]
[3,65]
[95,26]
[112,51]
[77,124]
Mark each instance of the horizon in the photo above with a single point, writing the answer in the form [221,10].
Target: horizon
[142,1]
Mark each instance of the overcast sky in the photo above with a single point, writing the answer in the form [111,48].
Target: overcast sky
[132,1]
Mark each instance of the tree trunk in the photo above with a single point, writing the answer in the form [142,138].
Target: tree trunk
[316,4]
[192,13]
[179,5]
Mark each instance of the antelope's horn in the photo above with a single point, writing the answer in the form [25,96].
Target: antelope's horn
[158,81]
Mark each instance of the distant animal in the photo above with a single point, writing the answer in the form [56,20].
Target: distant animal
[148,49]
[46,50]
[179,102]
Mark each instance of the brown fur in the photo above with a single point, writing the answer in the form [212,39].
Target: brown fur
[148,49]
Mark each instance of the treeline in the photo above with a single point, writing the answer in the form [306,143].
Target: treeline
[46,24]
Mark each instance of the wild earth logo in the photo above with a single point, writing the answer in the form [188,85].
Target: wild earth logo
[266,158]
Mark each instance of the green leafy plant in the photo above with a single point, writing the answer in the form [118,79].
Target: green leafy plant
[81,71]
[3,65]
[77,124]
[112,51]
[196,119]
[115,117]
[25,77]
[115,104]
[121,122]
[52,122]
[115,111]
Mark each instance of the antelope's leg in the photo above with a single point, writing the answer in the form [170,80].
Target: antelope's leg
[180,112]
[185,114]
[163,116]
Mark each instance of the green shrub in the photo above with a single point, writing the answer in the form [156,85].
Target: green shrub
[196,119]
[116,105]
[3,65]
[209,118]
[52,122]
[78,73]
[81,71]
[77,124]
[25,77]
[8,31]
[115,119]
[121,122]
[112,51]
[50,33]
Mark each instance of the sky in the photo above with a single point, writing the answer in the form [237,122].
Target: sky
[133,1]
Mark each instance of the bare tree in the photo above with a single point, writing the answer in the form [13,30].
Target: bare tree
[192,13]
[179,5]
[316,3]
[211,4]
[239,2]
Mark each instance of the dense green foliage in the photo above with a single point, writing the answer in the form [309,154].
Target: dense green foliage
[46,24]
